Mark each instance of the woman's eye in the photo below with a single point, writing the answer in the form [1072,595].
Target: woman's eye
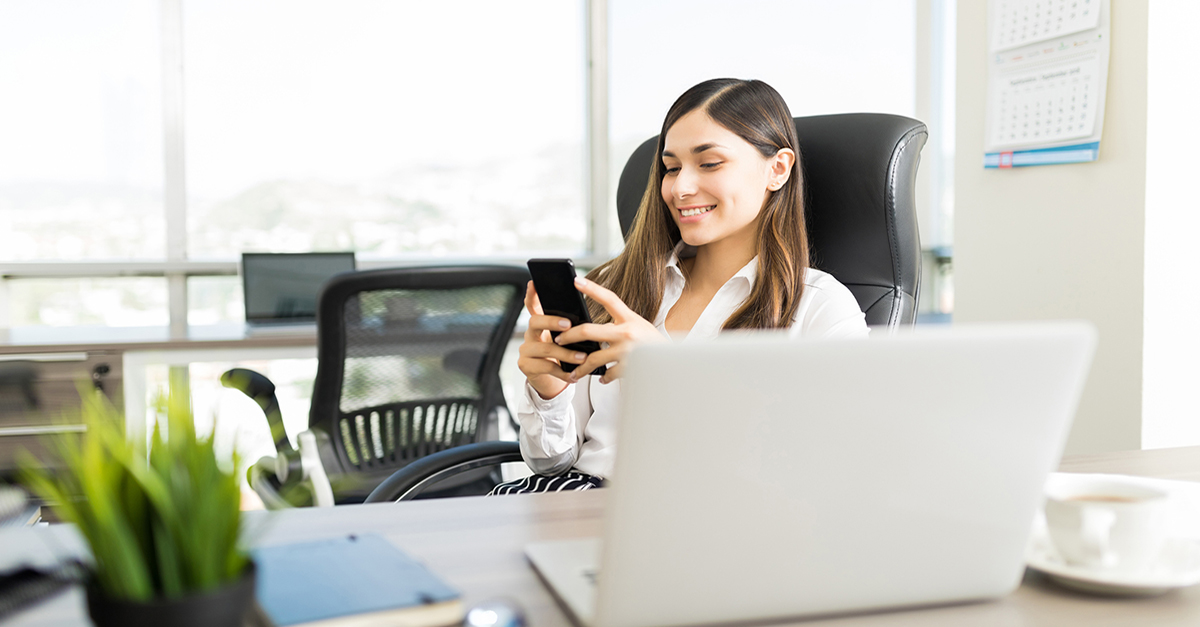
[671,170]
[711,165]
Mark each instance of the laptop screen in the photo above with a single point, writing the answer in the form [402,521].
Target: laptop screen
[283,287]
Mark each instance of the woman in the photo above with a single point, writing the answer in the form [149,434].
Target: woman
[718,243]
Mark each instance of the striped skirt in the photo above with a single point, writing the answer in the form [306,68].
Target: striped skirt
[572,480]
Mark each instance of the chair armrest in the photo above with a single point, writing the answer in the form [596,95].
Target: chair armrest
[408,482]
[262,391]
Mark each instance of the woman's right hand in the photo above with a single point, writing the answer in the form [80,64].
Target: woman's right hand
[539,356]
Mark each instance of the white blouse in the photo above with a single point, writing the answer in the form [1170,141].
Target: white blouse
[577,428]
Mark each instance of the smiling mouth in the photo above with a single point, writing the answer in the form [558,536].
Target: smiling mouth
[687,213]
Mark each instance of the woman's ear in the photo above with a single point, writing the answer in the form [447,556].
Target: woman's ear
[780,168]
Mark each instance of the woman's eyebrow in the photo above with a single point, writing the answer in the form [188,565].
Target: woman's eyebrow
[697,150]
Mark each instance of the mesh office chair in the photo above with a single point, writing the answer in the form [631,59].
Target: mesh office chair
[408,365]
[860,173]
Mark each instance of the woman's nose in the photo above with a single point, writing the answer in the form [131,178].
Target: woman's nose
[685,184]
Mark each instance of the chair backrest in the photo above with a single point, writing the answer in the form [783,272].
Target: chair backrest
[409,360]
[860,173]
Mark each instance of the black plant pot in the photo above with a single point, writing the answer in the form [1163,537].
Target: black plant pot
[224,607]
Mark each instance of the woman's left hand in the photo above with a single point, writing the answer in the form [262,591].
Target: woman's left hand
[626,330]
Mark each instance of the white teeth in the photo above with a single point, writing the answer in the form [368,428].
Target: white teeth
[687,213]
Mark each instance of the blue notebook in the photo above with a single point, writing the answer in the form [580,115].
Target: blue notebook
[350,580]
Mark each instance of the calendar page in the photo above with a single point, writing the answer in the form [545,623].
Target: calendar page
[1020,22]
[1047,105]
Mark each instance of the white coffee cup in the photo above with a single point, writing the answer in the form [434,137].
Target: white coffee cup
[1107,524]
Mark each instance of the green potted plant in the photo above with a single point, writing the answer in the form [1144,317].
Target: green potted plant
[163,522]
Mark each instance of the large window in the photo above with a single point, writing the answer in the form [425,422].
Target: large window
[822,57]
[388,128]
[399,130]
[81,168]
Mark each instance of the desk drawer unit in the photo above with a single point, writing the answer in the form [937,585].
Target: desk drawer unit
[39,397]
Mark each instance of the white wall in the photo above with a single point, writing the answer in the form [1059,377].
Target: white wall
[1063,241]
[1170,412]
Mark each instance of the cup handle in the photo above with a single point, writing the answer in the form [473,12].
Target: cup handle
[1094,536]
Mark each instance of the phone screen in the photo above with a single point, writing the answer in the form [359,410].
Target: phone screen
[554,280]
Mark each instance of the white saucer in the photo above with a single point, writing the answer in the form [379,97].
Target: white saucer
[1178,567]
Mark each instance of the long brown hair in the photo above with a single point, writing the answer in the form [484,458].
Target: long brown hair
[754,111]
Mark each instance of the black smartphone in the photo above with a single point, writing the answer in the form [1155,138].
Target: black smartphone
[554,280]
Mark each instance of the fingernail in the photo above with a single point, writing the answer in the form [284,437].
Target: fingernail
[558,340]
[573,377]
[580,281]
[564,323]
[580,357]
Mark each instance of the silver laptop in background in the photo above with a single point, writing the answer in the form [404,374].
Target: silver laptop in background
[280,290]
[759,478]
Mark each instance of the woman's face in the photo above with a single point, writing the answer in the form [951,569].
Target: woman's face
[715,182]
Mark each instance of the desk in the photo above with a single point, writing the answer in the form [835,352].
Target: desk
[61,357]
[476,545]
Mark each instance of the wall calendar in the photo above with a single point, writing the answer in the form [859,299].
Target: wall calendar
[1046,82]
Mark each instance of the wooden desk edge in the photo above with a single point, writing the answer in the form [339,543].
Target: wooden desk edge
[1182,463]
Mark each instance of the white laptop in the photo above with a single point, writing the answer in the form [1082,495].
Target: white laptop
[759,478]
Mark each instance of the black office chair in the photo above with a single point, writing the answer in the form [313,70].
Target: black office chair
[408,363]
[860,172]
